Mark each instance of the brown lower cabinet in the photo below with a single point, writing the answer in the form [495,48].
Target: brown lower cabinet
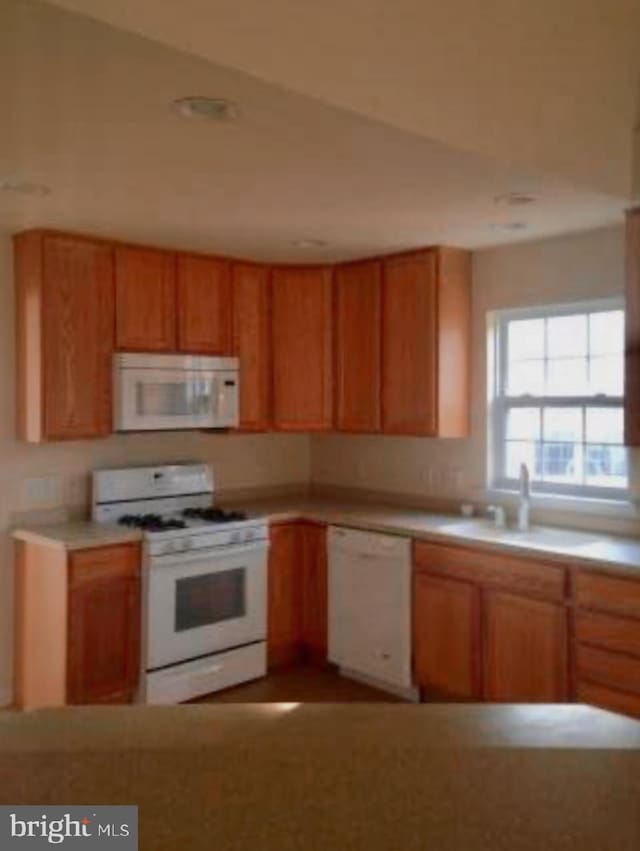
[607,640]
[483,628]
[446,632]
[525,644]
[103,641]
[297,593]
[77,625]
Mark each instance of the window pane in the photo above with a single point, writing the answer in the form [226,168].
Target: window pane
[567,336]
[607,375]
[606,466]
[521,452]
[562,462]
[567,377]
[605,425]
[606,332]
[526,377]
[525,339]
[523,424]
[562,425]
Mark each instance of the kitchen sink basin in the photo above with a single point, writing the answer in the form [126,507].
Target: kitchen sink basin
[536,536]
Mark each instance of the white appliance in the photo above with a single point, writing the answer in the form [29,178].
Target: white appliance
[204,611]
[370,607]
[158,392]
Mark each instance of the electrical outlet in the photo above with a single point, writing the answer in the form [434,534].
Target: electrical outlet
[42,492]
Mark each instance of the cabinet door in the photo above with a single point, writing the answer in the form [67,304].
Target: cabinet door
[284,594]
[525,650]
[409,345]
[446,637]
[145,300]
[357,347]
[302,356]
[77,340]
[204,305]
[103,625]
[252,343]
[314,591]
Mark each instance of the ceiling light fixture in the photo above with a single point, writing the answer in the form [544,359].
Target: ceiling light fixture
[212,109]
[309,243]
[515,199]
[24,187]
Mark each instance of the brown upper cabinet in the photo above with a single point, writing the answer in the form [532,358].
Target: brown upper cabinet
[65,309]
[426,308]
[145,299]
[358,297]
[252,343]
[204,305]
[302,348]
[632,341]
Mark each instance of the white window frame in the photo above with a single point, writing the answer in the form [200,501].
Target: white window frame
[500,403]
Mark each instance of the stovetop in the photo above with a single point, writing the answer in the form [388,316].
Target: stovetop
[189,518]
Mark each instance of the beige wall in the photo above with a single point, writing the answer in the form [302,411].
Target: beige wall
[562,269]
[239,461]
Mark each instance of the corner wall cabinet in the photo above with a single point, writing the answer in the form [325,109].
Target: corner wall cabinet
[77,625]
[302,349]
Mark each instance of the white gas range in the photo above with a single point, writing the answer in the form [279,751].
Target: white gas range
[204,579]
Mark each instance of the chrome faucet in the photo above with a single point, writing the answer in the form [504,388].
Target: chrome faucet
[524,505]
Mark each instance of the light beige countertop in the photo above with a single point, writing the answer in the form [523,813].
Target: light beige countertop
[553,544]
[364,777]
[76,535]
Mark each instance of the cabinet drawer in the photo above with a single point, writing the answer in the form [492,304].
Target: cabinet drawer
[609,669]
[618,634]
[103,563]
[608,593]
[490,569]
[606,698]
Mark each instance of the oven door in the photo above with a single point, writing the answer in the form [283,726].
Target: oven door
[200,603]
[155,399]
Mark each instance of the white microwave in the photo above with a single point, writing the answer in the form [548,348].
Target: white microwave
[159,392]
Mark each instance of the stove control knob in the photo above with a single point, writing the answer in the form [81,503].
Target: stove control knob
[249,535]
[236,537]
[187,544]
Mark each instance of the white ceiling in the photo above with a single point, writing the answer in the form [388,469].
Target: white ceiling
[86,111]
[551,84]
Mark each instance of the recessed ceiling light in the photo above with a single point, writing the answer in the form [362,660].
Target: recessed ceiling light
[23,187]
[309,243]
[509,227]
[213,109]
[515,199]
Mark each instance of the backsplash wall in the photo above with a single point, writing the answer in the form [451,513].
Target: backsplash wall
[562,269]
[54,478]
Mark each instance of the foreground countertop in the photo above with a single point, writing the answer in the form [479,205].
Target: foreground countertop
[552,544]
[288,776]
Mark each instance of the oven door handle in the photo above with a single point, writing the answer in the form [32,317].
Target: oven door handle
[177,559]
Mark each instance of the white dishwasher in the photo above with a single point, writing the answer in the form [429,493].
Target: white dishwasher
[370,606]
